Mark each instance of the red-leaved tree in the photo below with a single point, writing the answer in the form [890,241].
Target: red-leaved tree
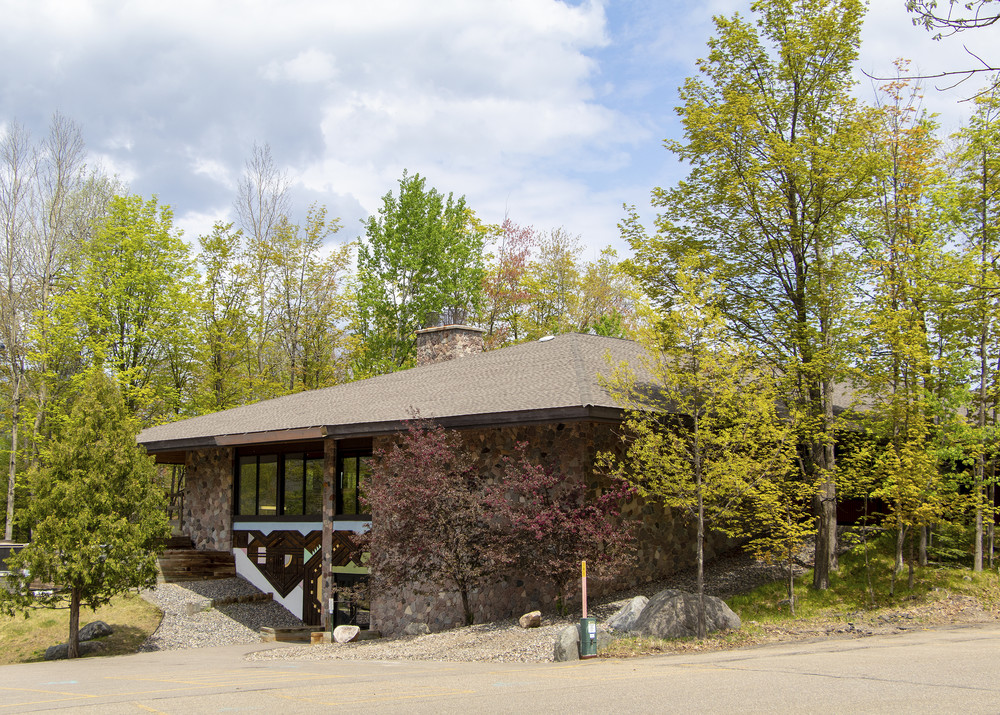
[553,526]
[434,524]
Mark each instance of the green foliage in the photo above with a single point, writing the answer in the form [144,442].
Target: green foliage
[703,432]
[421,260]
[97,516]
[779,170]
[131,307]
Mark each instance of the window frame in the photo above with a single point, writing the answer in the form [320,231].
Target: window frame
[307,452]
[356,453]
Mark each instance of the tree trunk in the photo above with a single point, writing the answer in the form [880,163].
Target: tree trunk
[900,538]
[924,533]
[8,532]
[73,644]
[909,581]
[466,608]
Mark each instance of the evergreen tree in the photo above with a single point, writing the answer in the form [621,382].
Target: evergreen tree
[96,513]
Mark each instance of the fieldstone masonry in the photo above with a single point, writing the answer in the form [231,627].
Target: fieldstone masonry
[208,502]
[448,343]
[665,540]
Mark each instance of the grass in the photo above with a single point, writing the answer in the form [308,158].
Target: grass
[941,594]
[25,639]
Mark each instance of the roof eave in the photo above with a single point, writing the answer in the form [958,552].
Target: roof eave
[575,413]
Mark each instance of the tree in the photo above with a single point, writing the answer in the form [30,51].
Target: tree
[421,260]
[262,205]
[433,527]
[703,434]
[902,259]
[554,525]
[131,308]
[309,302]
[960,15]
[97,515]
[553,282]
[505,297]
[224,323]
[779,168]
[976,212]
[17,175]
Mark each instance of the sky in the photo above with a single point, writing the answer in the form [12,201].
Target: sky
[550,112]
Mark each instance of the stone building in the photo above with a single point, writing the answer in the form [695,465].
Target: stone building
[277,482]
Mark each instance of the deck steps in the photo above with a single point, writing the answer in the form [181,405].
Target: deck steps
[190,564]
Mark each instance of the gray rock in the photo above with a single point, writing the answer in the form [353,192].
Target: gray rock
[674,614]
[61,651]
[530,620]
[95,629]
[626,616]
[193,607]
[416,629]
[567,645]
[345,634]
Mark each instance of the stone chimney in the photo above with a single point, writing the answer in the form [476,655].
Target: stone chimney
[448,342]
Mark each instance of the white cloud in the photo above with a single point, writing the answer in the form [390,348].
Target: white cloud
[308,67]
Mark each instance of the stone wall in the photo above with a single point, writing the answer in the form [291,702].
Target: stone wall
[448,343]
[665,541]
[208,498]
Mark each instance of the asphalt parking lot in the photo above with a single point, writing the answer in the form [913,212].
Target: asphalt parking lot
[942,670]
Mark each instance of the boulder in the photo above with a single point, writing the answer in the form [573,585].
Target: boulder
[345,634]
[674,614]
[530,620]
[61,651]
[416,629]
[567,645]
[626,616]
[96,629]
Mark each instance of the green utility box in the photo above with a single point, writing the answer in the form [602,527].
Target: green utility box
[588,638]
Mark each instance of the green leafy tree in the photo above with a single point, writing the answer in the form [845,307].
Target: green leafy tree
[132,306]
[976,220]
[224,324]
[96,512]
[703,430]
[310,303]
[505,297]
[421,260]
[779,170]
[902,262]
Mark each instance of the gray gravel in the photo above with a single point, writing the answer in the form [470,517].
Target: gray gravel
[505,641]
[226,625]
[501,641]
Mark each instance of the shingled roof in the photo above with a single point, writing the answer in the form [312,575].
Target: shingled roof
[548,380]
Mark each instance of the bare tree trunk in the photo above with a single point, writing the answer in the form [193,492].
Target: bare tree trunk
[924,534]
[900,538]
[12,466]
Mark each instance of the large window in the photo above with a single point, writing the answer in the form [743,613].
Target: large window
[353,467]
[288,484]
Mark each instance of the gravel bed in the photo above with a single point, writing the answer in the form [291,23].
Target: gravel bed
[231,624]
[505,641]
[500,641]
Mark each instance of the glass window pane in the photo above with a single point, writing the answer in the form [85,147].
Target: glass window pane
[314,487]
[247,486]
[294,478]
[349,486]
[268,478]
[364,473]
